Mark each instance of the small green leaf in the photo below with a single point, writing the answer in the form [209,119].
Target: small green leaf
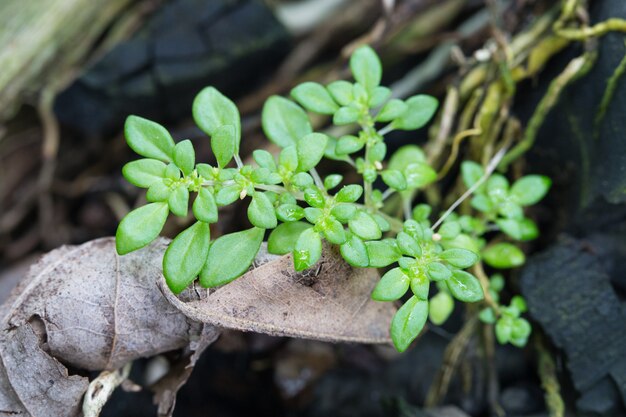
[288,158]
[440,308]
[149,139]
[392,286]
[405,156]
[230,256]
[302,180]
[450,229]
[227,195]
[421,212]
[346,115]
[212,110]
[341,91]
[395,179]
[419,175]
[382,253]
[308,250]
[185,156]
[314,97]
[185,256]
[510,210]
[334,231]
[354,251]
[261,212]
[364,226]
[284,122]
[420,286]
[179,201]
[438,271]
[511,227]
[421,109]
[283,239]
[264,159]
[459,258]
[204,207]
[289,212]
[344,212]
[503,255]
[158,192]
[408,245]
[224,144]
[487,315]
[332,180]
[144,172]
[140,227]
[313,214]
[314,197]
[366,67]
[393,109]
[378,96]
[348,144]
[383,224]
[349,193]
[528,229]
[408,322]
[465,287]
[530,189]
[520,329]
[172,172]
[471,172]
[497,188]
[504,326]
[482,203]
[519,303]
[310,150]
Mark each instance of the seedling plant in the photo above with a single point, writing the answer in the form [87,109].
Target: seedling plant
[300,208]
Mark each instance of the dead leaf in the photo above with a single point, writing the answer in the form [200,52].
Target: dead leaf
[87,307]
[330,301]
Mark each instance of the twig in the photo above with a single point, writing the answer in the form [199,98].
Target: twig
[549,381]
[582,34]
[454,152]
[449,111]
[101,389]
[611,87]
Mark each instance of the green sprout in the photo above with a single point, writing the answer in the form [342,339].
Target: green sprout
[288,197]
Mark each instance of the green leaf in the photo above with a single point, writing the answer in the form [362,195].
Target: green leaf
[465,287]
[144,172]
[510,227]
[227,195]
[185,256]
[366,67]
[530,189]
[438,271]
[487,315]
[314,97]
[393,109]
[302,180]
[394,179]
[528,229]
[382,253]
[346,115]
[288,158]
[378,96]
[284,122]
[308,250]
[212,110]
[364,226]
[383,224]
[185,156]
[354,251]
[310,150]
[334,231]
[179,201]
[261,212]
[450,229]
[503,255]
[224,144]
[348,144]
[313,214]
[377,152]
[471,172]
[459,258]
[503,328]
[204,207]
[482,203]
[149,139]
[497,188]
[440,308]
[230,256]
[341,91]
[408,322]
[264,159]
[332,180]
[344,212]
[408,245]
[314,197]
[158,192]
[421,212]
[419,175]
[511,210]
[520,329]
[421,109]
[392,286]
[140,227]
[349,193]
[283,239]
[289,212]
[405,156]
[420,286]
[172,172]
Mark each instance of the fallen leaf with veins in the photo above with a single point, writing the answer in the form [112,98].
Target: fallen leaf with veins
[88,308]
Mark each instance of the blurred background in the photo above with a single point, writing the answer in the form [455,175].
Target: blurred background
[72,70]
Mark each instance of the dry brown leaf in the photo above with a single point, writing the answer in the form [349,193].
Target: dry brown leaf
[331,301]
[87,307]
